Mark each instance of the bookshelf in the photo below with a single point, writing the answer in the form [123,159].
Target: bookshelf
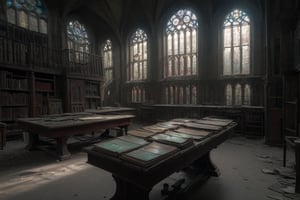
[92,95]
[83,94]
[290,104]
[14,96]
[274,107]
[44,89]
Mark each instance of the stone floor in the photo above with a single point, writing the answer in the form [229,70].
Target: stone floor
[36,175]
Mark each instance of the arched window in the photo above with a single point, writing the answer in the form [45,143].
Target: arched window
[78,42]
[194,94]
[181,44]
[137,69]
[107,61]
[247,95]
[30,14]
[186,94]
[236,43]
[138,94]
[228,93]
[238,95]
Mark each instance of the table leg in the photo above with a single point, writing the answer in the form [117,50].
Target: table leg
[284,153]
[62,148]
[128,191]
[124,129]
[205,165]
[33,142]
[297,155]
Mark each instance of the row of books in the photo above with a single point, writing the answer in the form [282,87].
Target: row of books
[8,82]
[136,150]
[150,144]
[92,89]
[8,98]
[12,113]
[44,86]
[180,132]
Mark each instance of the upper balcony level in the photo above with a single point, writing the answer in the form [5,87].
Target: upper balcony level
[26,50]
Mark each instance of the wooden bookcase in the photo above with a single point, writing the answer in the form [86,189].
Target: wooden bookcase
[290,105]
[82,94]
[44,89]
[92,95]
[14,95]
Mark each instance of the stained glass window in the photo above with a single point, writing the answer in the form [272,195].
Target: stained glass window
[181,44]
[174,94]
[238,95]
[137,69]
[236,43]
[228,93]
[29,14]
[107,60]
[78,42]
[247,95]
[138,94]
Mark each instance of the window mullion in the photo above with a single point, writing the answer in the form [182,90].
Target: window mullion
[241,51]
[232,50]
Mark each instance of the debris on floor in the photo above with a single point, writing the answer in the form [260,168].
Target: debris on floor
[268,171]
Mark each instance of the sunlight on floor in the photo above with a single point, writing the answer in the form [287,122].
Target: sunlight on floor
[36,177]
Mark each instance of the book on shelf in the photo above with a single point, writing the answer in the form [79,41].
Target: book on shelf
[173,140]
[140,133]
[119,145]
[149,154]
[212,122]
[202,126]
[194,132]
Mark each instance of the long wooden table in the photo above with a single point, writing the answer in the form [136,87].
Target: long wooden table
[135,182]
[112,110]
[62,126]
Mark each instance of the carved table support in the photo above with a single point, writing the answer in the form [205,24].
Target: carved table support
[33,142]
[62,148]
[297,155]
[205,164]
[128,191]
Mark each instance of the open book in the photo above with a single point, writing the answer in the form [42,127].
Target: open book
[202,126]
[212,122]
[119,145]
[197,134]
[149,154]
[141,133]
[173,140]
[184,135]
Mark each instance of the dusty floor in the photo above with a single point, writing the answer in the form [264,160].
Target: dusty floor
[37,175]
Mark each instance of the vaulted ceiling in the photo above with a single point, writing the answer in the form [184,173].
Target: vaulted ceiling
[120,16]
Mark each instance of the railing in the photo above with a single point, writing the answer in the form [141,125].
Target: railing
[80,63]
[43,58]
[25,49]
[37,57]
